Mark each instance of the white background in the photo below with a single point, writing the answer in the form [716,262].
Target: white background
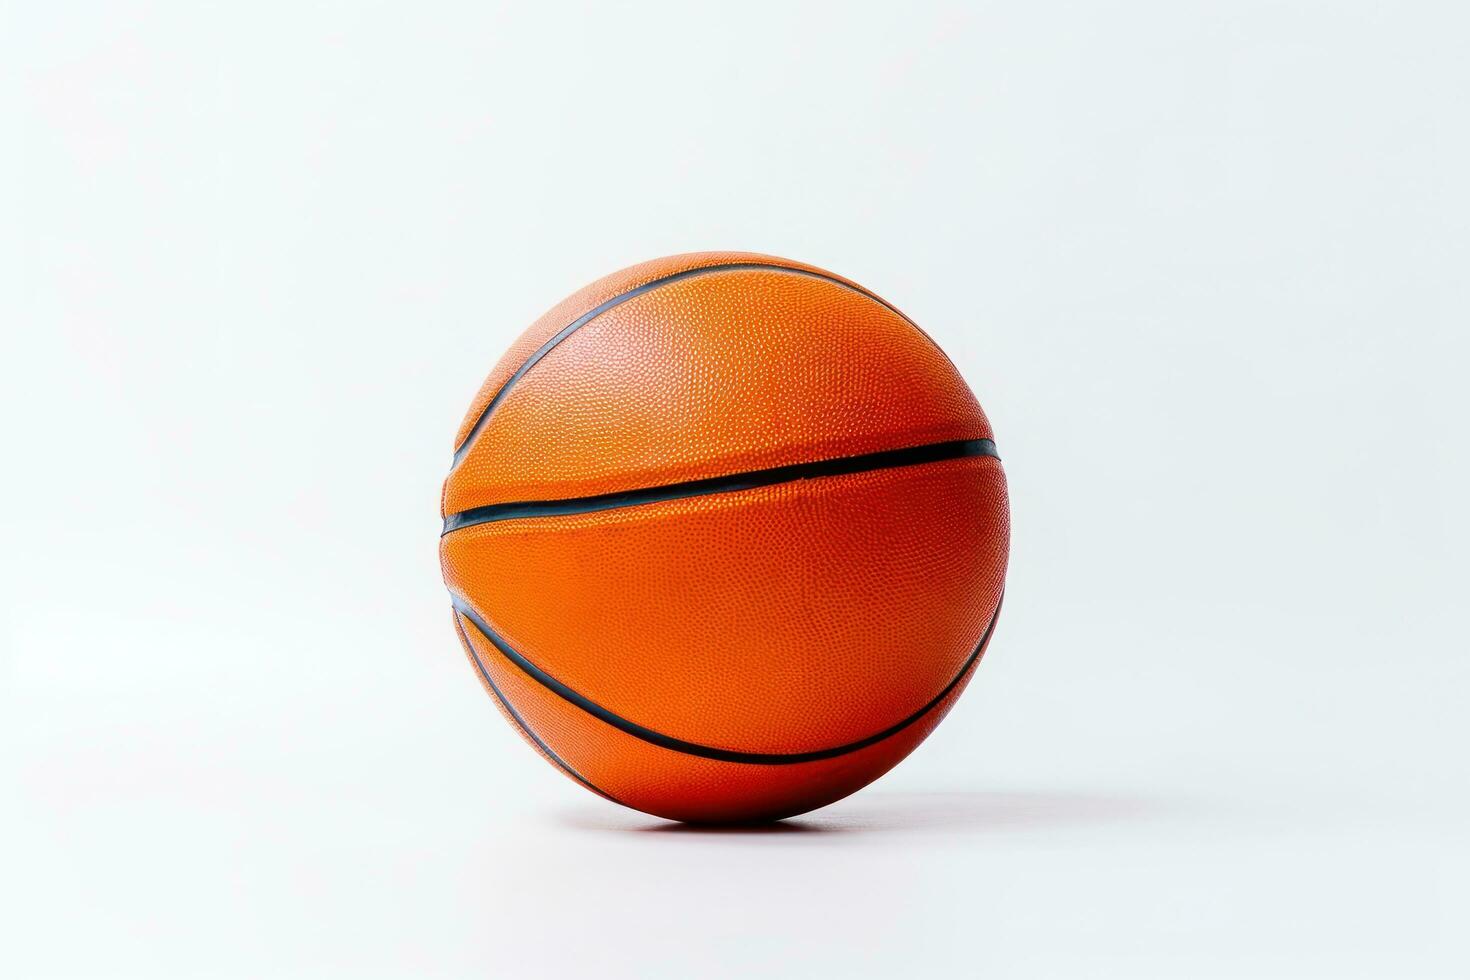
[1204,264]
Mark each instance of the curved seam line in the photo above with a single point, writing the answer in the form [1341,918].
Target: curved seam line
[464,447]
[709,751]
[749,480]
[521,722]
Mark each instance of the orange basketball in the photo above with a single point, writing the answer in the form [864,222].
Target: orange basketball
[725,536]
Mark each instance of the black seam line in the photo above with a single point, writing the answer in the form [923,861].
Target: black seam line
[839,466]
[709,751]
[516,715]
[596,311]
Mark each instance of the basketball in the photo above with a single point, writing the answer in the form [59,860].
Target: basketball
[725,536]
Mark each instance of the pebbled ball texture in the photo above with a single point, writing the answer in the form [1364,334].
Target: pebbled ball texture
[667,621]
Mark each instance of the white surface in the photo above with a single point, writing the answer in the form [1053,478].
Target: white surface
[1204,265]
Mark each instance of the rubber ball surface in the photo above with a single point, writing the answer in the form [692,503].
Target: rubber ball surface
[725,536]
